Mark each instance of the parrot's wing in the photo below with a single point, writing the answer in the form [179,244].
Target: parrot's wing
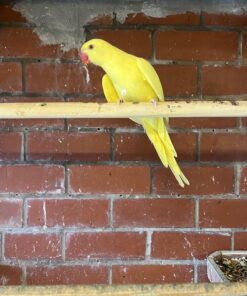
[109,90]
[151,76]
[111,94]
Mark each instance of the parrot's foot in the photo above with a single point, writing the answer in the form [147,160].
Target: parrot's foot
[120,101]
[154,103]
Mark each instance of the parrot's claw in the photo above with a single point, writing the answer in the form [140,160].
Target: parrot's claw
[120,101]
[154,103]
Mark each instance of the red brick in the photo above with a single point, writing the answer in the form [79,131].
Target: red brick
[23,42]
[67,275]
[108,245]
[225,19]
[175,245]
[10,77]
[68,146]
[221,213]
[31,179]
[240,239]
[211,122]
[137,42]
[223,147]
[9,15]
[36,212]
[64,78]
[151,274]
[203,180]
[101,123]
[10,146]
[187,18]
[202,276]
[153,213]
[178,80]
[10,274]
[28,123]
[28,246]
[10,212]
[109,179]
[243,180]
[196,45]
[68,212]
[31,123]
[224,80]
[131,146]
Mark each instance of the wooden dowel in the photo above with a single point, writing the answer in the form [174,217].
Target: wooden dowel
[237,289]
[124,110]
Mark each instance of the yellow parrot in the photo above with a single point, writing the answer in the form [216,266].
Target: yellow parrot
[132,79]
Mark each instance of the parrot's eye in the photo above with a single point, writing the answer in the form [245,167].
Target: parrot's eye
[90,46]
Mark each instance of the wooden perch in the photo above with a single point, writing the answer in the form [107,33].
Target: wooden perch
[125,110]
[236,289]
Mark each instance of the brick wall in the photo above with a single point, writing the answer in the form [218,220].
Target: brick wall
[87,201]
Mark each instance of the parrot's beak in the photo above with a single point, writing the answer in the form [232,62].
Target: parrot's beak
[84,58]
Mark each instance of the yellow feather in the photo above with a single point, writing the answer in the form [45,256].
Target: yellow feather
[134,79]
[156,141]
[109,90]
[151,76]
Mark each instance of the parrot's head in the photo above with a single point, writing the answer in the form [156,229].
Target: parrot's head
[95,51]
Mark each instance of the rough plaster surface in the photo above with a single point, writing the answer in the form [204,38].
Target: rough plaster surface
[62,22]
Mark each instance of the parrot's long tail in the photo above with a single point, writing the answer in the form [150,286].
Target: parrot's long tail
[157,133]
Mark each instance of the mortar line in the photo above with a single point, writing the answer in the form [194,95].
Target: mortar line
[198,146]
[239,123]
[83,97]
[63,245]
[66,179]
[3,246]
[240,47]
[24,212]
[199,80]
[153,48]
[111,214]
[201,24]
[233,241]
[24,275]
[237,175]
[151,172]
[104,262]
[74,230]
[110,275]
[195,273]
[81,129]
[76,61]
[196,209]
[81,196]
[148,244]
[92,28]
[112,133]
[66,126]
[23,145]
[133,163]
[114,19]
